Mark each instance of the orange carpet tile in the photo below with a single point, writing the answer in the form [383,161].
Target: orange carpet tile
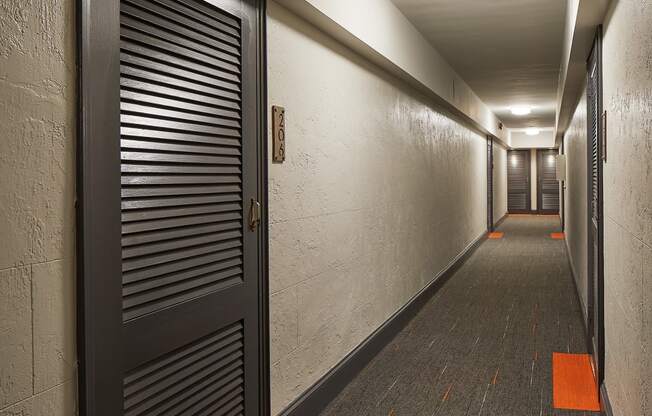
[496,235]
[573,384]
[557,236]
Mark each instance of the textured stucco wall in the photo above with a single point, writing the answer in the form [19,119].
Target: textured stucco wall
[378,194]
[627,87]
[575,196]
[500,181]
[37,303]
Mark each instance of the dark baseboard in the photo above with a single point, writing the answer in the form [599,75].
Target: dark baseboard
[605,404]
[317,397]
[583,309]
[500,221]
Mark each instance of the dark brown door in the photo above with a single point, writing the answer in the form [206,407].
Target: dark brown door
[548,186]
[518,181]
[595,226]
[185,306]
[490,183]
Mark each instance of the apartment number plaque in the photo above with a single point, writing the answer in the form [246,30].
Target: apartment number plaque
[278,134]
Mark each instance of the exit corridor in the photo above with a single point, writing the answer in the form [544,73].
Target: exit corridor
[483,344]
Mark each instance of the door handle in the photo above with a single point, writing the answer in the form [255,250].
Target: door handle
[254,215]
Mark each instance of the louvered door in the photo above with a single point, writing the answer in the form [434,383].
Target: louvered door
[490,183]
[548,186]
[518,181]
[190,307]
[595,225]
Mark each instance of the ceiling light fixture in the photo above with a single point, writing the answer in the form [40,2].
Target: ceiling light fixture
[532,131]
[521,110]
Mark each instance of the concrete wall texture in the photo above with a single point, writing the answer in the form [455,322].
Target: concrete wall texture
[379,192]
[37,180]
[575,197]
[627,84]
[500,182]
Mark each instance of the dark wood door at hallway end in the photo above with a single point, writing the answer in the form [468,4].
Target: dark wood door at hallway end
[518,181]
[172,248]
[547,186]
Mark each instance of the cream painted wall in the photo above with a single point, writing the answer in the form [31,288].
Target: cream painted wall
[393,42]
[374,178]
[37,171]
[627,83]
[520,140]
[575,196]
[500,181]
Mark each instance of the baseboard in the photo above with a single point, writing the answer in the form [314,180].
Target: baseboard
[500,221]
[585,319]
[605,404]
[317,397]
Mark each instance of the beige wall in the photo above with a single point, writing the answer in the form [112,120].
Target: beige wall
[378,194]
[37,302]
[518,139]
[500,181]
[627,87]
[575,196]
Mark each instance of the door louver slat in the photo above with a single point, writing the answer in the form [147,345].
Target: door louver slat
[192,378]
[181,154]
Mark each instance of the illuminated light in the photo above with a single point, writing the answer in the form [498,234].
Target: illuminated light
[521,110]
[551,160]
[532,131]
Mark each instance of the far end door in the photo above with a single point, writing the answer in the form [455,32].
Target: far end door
[548,186]
[518,181]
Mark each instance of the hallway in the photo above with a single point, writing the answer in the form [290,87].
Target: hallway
[290,207]
[489,350]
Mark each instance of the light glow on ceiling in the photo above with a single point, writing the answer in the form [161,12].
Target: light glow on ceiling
[532,131]
[521,110]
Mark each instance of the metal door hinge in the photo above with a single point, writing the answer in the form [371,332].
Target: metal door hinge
[254,215]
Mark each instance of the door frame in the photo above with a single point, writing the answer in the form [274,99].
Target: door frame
[595,312]
[539,187]
[490,183]
[562,191]
[528,210]
[99,308]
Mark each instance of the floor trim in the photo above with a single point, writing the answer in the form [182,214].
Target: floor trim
[604,396]
[583,309]
[500,221]
[317,397]
[604,401]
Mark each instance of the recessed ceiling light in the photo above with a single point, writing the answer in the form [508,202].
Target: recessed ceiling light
[532,131]
[521,110]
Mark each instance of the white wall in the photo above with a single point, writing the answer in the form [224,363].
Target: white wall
[500,181]
[378,29]
[37,180]
[575,197]
[520,140]
[627,87]
[374,177]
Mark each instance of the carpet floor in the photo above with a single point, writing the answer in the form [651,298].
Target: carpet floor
[483,344]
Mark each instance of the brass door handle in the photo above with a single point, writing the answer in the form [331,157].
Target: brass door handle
[254,215]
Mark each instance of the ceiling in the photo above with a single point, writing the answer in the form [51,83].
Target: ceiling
[508,51]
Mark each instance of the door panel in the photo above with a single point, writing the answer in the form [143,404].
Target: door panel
[189,170]
[518,181]
[548,189]
[595,225]
[490,183]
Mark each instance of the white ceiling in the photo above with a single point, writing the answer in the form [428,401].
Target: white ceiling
[508,51]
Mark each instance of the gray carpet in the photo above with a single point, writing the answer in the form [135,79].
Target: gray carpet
[483,344]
